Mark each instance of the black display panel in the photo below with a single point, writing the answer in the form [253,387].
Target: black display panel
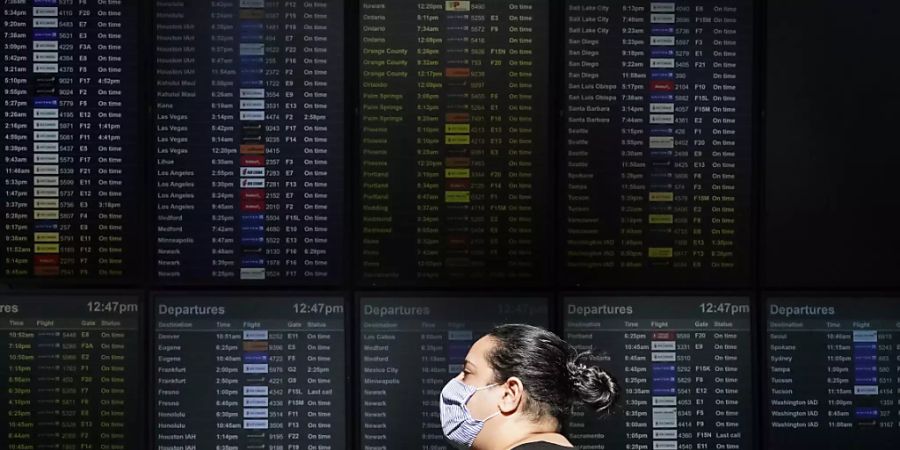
[250,371]
[71,142]
[72,370]
[453,170]
[832,373]
[410,347]
[685,365]
[249,142]
[655,188]
[830,165]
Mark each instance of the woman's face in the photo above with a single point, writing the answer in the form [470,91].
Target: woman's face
[477,373]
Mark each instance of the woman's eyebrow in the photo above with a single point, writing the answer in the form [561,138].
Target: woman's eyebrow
[471,363]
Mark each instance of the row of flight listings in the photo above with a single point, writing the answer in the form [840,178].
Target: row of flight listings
[245,158]
[284,371]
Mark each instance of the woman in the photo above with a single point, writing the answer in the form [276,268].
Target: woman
[517,386]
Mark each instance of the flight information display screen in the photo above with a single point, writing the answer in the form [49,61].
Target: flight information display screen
[410,347]
[71,141]
[655,187]
[453,170]
[249,371]
[832,372]
[685,366]
[72,370]
[249,142]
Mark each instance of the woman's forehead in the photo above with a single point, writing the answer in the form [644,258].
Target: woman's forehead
[479,349]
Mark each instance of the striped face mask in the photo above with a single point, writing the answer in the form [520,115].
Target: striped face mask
[460,428]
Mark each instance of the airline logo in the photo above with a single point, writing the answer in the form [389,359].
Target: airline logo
[51,158]
[253,220]
[662,142]
[457,173]
[662,41]
[46,225]
[253,93]
[46,203]
[662,63]
[46,192]
[45,57]
[40,113]
[662,107]
[253,194]
[457,139]
[253,171]
[457,72]
[662,7]
[662,118]
[252,205]
[253,161]
[257,14]
[46,170]
[662,85]
[662,18]
[253,115]
[46,135]
[252,49]
[457,6]
[253,182]
[45,35]
[45,22]
[249,25]
[457,197]
[252,149]
[46,237]
[45,45]
[251,261]
[46,124]
[45,68]
[253,104]
[46,181]
[252,273]
[44,11]
[46,214]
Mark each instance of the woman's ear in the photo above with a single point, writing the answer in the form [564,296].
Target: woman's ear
[513,395]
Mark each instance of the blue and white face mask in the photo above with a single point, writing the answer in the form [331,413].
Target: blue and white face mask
[460,428]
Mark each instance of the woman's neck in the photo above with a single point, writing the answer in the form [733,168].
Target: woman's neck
[551,437]
[533,433]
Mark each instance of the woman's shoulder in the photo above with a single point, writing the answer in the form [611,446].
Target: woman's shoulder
[542,446]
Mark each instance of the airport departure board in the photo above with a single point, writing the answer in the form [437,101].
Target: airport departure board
[70,141]
[833,373]
[72,371]
[410,347]
[249,371]
[685,365]
[249,142]
[453,174]
[655,184]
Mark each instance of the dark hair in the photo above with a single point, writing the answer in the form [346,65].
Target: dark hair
[552,371]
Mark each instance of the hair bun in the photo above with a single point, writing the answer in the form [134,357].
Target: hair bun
[592,385]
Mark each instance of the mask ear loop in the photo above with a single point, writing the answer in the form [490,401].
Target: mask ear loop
[481,389]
